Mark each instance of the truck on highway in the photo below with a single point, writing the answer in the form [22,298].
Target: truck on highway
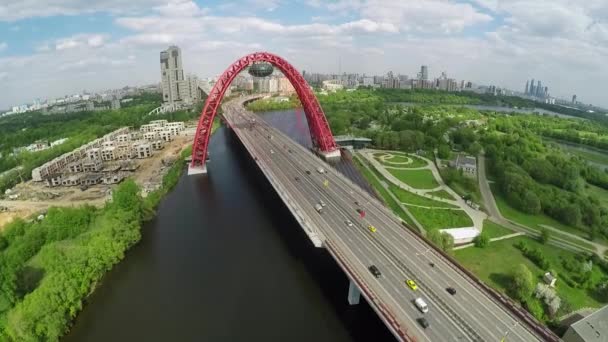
[421,305]
[318,207]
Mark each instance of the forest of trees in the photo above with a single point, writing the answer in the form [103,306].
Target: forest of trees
[48,267]
[537,179]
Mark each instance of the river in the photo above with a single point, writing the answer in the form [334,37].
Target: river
[224,260]
[501,109]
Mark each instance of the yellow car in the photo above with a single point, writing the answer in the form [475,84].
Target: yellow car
[411,284]
[371,228]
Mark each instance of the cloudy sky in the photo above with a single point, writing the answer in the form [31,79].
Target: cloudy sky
[54,47]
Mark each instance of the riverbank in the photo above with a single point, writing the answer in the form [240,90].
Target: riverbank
[49,267]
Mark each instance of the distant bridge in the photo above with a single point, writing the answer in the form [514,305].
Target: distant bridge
[358,231]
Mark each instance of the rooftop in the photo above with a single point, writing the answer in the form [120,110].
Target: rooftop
[462,233]
[593,327]
[463,160]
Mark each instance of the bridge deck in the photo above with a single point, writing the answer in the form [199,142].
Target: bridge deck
[470,315]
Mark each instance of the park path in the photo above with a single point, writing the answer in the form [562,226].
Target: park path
[496,216]
[421,229]
[476,216]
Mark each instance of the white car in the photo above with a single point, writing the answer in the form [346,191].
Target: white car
[320,170]
[348,223]
[271,151]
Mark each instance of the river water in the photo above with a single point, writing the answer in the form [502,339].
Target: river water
[224,260]
[500,109]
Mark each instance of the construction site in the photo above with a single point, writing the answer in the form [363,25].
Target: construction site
[88,173]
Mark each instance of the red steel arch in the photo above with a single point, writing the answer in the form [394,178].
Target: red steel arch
[317,123]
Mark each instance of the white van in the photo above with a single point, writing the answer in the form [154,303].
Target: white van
[421,305]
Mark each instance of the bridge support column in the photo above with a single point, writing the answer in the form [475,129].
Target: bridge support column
[331,155]
[197,170]
[354,295]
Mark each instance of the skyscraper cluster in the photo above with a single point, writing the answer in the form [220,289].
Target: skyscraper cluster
[536,90]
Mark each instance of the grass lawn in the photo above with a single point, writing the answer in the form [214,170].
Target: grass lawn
[411,198]
[441,194]
[401,160]
[494,230]
[494,263]
[432,219]
[418,179]
[383,192]
[599,193]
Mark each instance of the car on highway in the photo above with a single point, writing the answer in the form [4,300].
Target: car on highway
[421,305]
[289,150]
[348,223]
[375,271]
[307,172]
[371,228]
[423,322]
[411,284]
[320,170]
[451,290]
[322,203]
[297,178]
[318,208]
[271,151]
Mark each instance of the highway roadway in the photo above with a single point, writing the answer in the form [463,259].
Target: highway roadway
[469,315]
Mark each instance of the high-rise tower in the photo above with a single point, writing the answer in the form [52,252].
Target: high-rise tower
[174,86]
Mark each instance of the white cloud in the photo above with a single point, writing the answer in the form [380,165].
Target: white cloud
[442,16]
[13,10]
[75,41]
[563,43]
[3,46]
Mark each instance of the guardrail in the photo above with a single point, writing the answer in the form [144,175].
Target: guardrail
[517,310]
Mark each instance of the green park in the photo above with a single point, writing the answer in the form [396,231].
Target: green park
[552,195]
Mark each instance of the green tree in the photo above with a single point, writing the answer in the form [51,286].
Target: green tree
[545,235]
[444,151]
[522,283]
[531,202]
[481,240]
[447,242]
[535,307]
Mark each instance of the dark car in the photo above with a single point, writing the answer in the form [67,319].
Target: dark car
[423,322]
[451,290]
[307,172]
[375,271]
[298,178]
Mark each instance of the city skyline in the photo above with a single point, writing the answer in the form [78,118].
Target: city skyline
[105,45]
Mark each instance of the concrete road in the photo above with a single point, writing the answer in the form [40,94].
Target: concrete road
[470,315]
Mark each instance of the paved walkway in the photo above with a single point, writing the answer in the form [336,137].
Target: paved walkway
[504,237]
[477,216]
[496,217]
[405,210]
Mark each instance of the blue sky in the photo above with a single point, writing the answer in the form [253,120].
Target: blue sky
[51,48]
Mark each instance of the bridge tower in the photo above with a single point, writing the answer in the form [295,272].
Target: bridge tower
[320,132]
